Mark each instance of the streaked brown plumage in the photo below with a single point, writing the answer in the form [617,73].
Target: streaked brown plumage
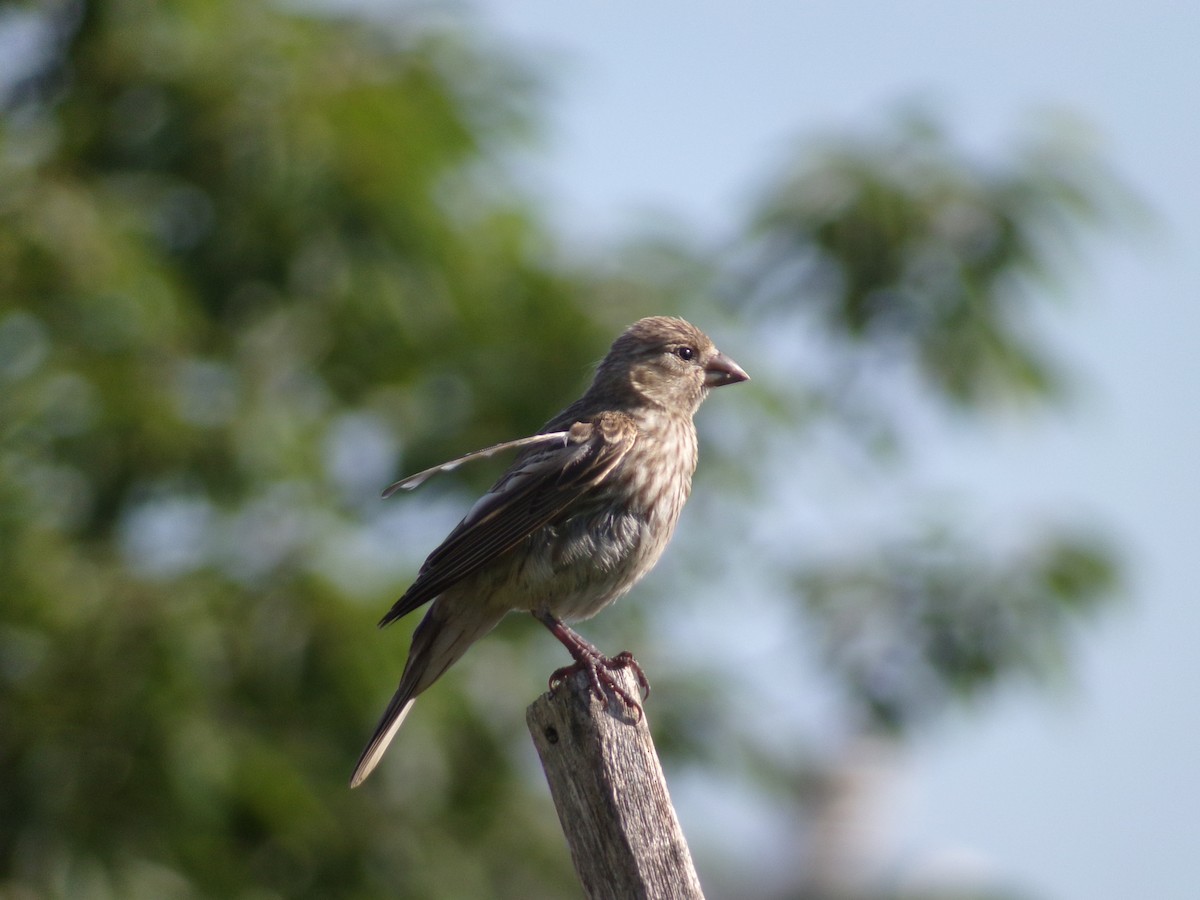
[584,511]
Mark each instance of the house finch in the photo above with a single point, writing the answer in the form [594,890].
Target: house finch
[583,513]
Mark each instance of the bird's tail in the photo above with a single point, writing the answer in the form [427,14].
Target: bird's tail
[443,636]
[393,718]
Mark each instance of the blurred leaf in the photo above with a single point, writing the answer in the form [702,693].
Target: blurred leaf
[903,242]
[930,619]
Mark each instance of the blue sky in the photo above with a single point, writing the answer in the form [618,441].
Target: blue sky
[683,107]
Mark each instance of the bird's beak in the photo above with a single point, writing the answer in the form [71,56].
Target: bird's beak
[723,370]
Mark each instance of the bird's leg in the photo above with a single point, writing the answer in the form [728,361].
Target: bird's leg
[597,666]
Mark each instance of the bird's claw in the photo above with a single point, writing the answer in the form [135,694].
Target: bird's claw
[625,660]
[599,669]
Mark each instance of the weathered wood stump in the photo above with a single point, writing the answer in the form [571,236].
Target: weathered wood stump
[612,800]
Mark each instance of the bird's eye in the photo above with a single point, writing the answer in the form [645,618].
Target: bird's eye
[685,353]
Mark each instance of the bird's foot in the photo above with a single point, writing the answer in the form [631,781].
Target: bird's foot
[599,669]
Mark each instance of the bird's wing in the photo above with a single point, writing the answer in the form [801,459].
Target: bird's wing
[415,481]
[532,493]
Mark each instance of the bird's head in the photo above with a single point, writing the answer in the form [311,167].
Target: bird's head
[666,362]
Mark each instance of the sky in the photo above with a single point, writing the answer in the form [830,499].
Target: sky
[682,108]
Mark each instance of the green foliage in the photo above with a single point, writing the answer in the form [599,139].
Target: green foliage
[925,621]
[234,235]
[903,241]
[249,260]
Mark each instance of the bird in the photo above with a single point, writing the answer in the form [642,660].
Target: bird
[584,511]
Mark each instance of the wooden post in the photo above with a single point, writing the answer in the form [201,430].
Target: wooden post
[611,797]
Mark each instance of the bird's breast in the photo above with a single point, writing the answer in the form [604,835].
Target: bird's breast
[608,542]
